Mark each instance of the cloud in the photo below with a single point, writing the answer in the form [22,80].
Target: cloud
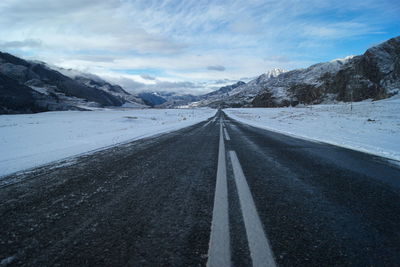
[148,77]
[277,58]
[338,30]
[166,86]
[224,81]
[81,25]
[245,25]
[216,68]
[197,42]
[96,58]
[31,43]
[247,79]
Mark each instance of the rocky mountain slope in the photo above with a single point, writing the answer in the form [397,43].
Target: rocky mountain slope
[28,86]
[223,91]
[95,81]
[19,98]
[239,93]
[373,75]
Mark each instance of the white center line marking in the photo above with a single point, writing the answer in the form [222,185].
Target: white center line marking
[260,250]
[227,137]
[219,254]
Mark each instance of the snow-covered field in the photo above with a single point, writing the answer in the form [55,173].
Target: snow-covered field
[32,140]
[372,127]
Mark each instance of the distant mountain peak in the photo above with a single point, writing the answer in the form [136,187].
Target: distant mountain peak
[273,72]
[343,60]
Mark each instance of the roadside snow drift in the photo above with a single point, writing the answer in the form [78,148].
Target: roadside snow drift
[32,140]
[372,127]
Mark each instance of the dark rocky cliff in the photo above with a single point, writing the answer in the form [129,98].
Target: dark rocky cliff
[373,75]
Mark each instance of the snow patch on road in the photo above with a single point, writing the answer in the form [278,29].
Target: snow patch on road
[31,140]
[371,126]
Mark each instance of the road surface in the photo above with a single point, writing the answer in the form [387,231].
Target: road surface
[216,193]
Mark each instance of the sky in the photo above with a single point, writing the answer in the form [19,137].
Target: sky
[192,46]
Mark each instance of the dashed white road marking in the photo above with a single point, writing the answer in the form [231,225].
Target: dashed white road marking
[219,254]
[260,250]
[227,137]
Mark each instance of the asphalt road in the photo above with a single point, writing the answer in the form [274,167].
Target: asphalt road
[217,193]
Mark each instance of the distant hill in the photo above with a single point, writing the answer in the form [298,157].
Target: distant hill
[239,92]
[163,99]
[152,99]
[177,100]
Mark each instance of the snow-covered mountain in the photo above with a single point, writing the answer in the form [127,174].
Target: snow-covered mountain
[373,75]
[254,86]
[239,93]
[31,86]
[223,91]
[94,81]
[280,90]
[273,73]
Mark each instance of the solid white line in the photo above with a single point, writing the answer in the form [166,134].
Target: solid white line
[227,137]
[260,250]
[219,253]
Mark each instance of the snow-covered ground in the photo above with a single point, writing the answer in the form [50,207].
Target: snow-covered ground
[32,140]
[372,127]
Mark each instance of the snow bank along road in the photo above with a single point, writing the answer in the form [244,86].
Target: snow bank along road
[31,140]
[219,193]
[369,126]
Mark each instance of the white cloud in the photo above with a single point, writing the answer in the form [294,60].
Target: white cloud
[186,40]
[148,77]
[131,84]
[28,43]
[338,30]
[216,68]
